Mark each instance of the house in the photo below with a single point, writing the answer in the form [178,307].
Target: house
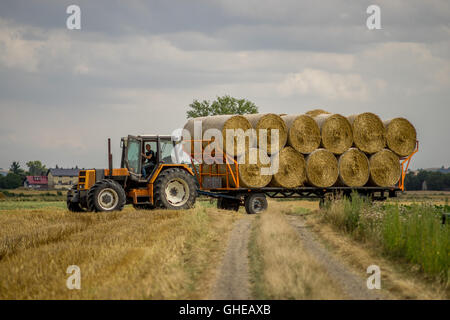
[60,178]
[36,182]
[3,172]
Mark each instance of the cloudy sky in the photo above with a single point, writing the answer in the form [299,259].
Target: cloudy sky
[135,66]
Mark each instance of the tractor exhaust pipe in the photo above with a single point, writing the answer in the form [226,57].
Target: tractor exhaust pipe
[110,162]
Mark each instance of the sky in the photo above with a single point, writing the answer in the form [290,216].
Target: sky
[135,66]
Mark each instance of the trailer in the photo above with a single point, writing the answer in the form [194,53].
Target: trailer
[230,196]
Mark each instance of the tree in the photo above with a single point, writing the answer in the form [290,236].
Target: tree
[11,181]
[36,168]
[16,169]
[222,105]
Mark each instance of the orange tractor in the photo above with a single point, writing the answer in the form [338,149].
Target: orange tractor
[170,184]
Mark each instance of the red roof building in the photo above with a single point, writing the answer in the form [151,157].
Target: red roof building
[37,182]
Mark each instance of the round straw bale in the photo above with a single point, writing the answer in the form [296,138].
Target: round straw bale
[303,133]
[268,122]
[250,171]
[369,134]
[353,168]
[336,132]
[322,168]
[242,139]
[316,112]
[385,169]
[401,136]
[291,171]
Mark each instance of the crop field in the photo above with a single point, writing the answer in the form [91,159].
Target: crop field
[294,250]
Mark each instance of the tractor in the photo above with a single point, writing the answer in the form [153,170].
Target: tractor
[169,184]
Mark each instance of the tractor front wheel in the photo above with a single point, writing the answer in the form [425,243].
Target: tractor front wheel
[106,195]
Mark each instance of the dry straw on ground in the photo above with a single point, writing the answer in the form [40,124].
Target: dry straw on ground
[291,169]
[336,132]
[269,121]
[223,123]
[369,134]
[401,136]
[385,169]
[322,168]
[353,168]
[316,112]
[303,134]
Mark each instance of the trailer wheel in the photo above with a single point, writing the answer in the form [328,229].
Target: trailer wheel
[255,203]
[228,204]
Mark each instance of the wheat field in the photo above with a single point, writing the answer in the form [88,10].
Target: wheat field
[131,254]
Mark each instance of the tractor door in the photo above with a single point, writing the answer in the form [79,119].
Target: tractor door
[132,154]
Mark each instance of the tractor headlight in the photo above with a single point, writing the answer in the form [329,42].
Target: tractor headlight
[81,186]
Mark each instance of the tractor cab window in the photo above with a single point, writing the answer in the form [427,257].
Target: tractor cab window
[134,155]
[167,152]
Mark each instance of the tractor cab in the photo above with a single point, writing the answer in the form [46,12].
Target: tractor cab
[133,147]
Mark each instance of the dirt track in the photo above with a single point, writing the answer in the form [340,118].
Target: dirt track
[353,286]
[232,280]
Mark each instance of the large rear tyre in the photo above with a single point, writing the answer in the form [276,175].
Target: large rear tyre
[255,203]
[106,195]
[228,204]
[175,189]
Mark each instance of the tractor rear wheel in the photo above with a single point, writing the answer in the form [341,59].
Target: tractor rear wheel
[106,195]
[255,203]
[174,189]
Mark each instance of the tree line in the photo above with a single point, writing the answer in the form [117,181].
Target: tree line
[16,174]
[434,180]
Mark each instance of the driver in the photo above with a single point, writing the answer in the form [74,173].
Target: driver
[149,161]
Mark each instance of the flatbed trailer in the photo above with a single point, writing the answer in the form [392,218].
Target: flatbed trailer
[254,200]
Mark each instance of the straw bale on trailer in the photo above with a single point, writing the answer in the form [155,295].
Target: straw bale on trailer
[322,168]
[291,169]
[369,134]
[269,121]
[336,132]
[385,169]
[400,136]
[316,112]
[222,123]
[303,133]
[353,168]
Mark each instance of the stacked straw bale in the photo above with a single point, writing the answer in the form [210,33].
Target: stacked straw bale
[369,134]
[336,132]
[353,168]
[319,149]
[303,133]
[322,168]
[400,136]
[291,171]
[269,121]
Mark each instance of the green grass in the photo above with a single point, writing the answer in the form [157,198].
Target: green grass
[414,233]
[21,205]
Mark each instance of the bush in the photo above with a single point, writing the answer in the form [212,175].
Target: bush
[414,232]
